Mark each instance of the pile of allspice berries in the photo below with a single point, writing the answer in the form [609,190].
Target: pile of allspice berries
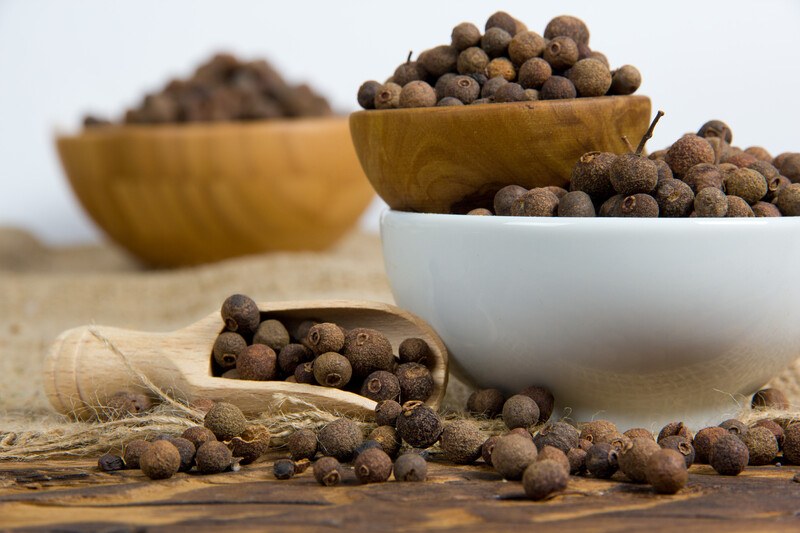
[225,88]
[699,175]
[359,360]
[507,63]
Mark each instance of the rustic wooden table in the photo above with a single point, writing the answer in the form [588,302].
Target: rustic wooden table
[72,495]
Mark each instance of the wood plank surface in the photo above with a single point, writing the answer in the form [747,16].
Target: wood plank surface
[72,495]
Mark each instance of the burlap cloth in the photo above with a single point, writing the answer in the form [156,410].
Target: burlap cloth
[44,291]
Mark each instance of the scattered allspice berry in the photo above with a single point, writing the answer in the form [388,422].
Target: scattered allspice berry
[186,450]
[410,467]
[251,444]
[283,469]
[225,420]
[602,460]
[559,435]
[542,478]
[257,362]
[634,433]
[512,454]
[386,413]
[544,400]
[161,460]
[704,442]
[240,314]
[675,428]
[133,452]
[682,445]
[598,430]
[487,448]
[415,380]
[791,444]
[761,445]
[577,461]
[110,463]
[340,439]
[272,333]
[729,455]
[666,471]
[372,466]
[419,425]
[734,426]
[198,435]
[213,457]
[774,427]
[327,471]
[387,438]
[462,441]
[634,457]
[770,399]
[520,411]
[332,370]
[302,444]
[548,453]
[486,402]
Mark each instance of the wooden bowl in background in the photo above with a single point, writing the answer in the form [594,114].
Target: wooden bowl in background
[453,159]
[186,194]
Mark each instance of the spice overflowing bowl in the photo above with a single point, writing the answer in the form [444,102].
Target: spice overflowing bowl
[639,321]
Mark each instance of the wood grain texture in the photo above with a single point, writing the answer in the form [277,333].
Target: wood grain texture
[186,194]
[454,159]
[81,371]
[72,495]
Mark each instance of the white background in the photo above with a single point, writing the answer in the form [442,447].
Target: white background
[734,60]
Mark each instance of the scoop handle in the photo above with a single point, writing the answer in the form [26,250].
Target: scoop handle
[87,365]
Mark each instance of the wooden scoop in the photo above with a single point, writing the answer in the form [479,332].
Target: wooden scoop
[87,365]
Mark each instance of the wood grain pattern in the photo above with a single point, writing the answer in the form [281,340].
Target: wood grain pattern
[187,194]
[81,371]
[453,159]
[72,495]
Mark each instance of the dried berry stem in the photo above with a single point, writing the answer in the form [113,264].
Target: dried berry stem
[646,137]
[408,59]
[627,143]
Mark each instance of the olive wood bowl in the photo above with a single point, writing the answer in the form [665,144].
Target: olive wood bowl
[184,194]
[454,159]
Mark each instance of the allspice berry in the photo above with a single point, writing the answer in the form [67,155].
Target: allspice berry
[791,444]
[704,175]
[557,88]
[592,175]
[576,204]
[635,433]
[462,442]
[386,413]
[472,60]
[410,467]
[486,402]
[257,362]
[332,370]
[325,337]
[520,411]
[577,461]
[729,455]
[666,471]
[675,428]
[465,35]
[419,425]
[734,426]
[716,128]
[388,96]
[637,205]
[544,400]
[110,463]
[225,420]
[512,454]
[543,478]
[704,442]
[559,435]
[439,60]
[449,101]
[590,77]
[417,94]
[293,355]
[340,439]
[502,20]
[491,86]
[537,202]
[372,466]
[161,460]
[711,202]
[790,167]
[602,460]
[381,385]
[625,80]
[631,174]
[283,469]
[367,92]
[125,403]
[501,67]
[227,347]
[198,435]
[272,333]
[534,72]
[610,207]
[510,92]
[770,399]
[761,445]
[746,184]
[251,444]
[414,350]
[561,52]
[548,453]
[737,207]
[774,427]
[788,200]
[506,197]
[598,431]
[487,448]
[368,350]
[213,457]
[328,471]
[495,42]
[687,152]
[187,451]
[415,380]
[133,452]
[633,459]
[387,438]
[682,445]
[302,444]
[240,314]
[304,373]
[524,46]
[567,26]
[674,197]
[408,72]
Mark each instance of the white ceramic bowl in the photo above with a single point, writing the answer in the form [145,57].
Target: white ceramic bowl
[640,321]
